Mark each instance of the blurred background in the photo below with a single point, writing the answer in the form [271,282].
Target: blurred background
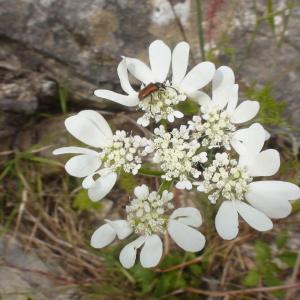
[53,55]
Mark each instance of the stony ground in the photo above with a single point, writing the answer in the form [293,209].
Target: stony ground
[53,55]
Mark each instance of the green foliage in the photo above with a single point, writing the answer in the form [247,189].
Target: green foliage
[63,98]
[188,107]
[271,110]
[267,270]
[127,182]
[82,202]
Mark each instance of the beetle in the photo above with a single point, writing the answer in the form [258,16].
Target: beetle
[150,89]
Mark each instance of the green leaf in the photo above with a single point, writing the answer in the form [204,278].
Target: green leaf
[127,182]
[252,278]
[270,112]
[281,239]
[82,202]
[289,258]
[262,251]
[188,107]
[63,98]
[270,279]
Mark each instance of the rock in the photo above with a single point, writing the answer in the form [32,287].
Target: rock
[23,274]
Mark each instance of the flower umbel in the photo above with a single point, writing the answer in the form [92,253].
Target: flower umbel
[146,213]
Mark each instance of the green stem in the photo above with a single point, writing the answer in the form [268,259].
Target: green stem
[166,185]
[147,172]
[200,28]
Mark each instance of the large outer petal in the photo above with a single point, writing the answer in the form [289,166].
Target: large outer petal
[233,97]
[246,111]
[128,254]
[266,163]
[188,216]
[249,140]
[222,85]
[200,97]
[102,186]
[272,197]
[83,165]
[74,150]
[227,221]
[151,252]
[254,217]
[98,121]
[180,61]
[121,227]
[139,70]
[88,131]
[130,100]
[123,76]
[103,236]
[186,237]
[198,77]
[160,60]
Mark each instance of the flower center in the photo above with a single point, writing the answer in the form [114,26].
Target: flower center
[124,153]
[177,154]
[226,179]
[148,215]
[214,130]
[161,105]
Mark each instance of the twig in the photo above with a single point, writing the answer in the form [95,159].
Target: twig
[180,266]
[238,292]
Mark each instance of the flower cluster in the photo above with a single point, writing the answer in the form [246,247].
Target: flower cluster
[161,105]
[210,152]
[177,155]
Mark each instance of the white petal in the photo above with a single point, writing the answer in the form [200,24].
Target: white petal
[200,97]
[123,76]
[141,192]
[233,96]
[266,163]
[128,253]
[103,236]
[130,100]
[160,60]
[139,70]
[88,182]
[198,77]
[98,121]
[246,111]
[249,140]
[151,252]
[83,165]
[267,135]
[254,217]
[227,221]
[188,216]
[180,61]
[102,186]
[86,131]
[185,236]
[121,227]
[222,85]
[74,150]
[272,197]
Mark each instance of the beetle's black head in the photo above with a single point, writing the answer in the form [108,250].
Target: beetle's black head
[160,85]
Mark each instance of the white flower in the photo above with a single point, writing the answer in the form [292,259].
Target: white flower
[147,217]
[117,152]
[267,199]
[177,155]
[161,104]
[219,113]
